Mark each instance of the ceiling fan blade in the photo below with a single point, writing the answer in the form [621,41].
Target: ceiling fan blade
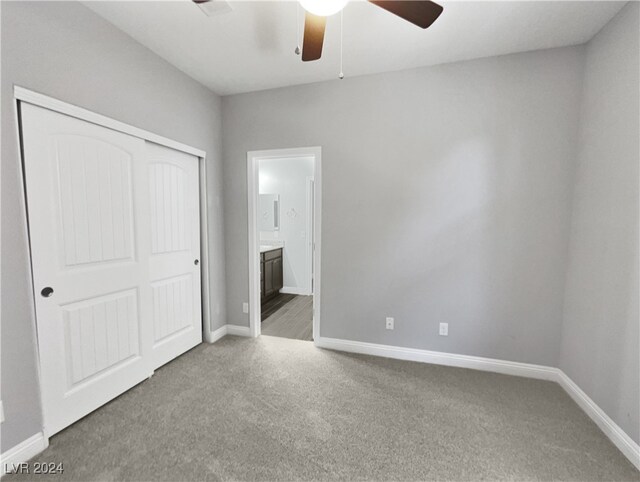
[314,26]
[419,12]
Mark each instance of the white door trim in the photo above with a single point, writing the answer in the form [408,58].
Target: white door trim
[254,242]
[35,98]
[204,255]
[308,288]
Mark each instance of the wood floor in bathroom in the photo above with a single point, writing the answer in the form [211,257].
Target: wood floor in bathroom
[293,319]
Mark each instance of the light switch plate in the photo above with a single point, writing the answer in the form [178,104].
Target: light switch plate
[245,307]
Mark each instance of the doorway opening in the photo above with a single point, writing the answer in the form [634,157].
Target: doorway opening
[284,199]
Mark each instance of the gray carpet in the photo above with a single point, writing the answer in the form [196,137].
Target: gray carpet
[280,409]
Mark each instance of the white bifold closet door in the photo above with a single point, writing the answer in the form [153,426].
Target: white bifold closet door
[114,232]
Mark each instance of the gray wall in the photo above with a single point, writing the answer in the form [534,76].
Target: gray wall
[66,51]
[601,329]
[445,199]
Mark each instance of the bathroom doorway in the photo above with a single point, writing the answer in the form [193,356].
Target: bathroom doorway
[284,200]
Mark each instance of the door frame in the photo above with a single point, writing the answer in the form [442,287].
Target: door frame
[22,95]
[253,158]
[311,195]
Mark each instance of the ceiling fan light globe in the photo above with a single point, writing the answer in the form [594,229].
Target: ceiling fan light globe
[323,8]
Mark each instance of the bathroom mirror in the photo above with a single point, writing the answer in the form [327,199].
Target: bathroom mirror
[269,209]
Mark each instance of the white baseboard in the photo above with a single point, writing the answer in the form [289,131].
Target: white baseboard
[440,358]
[238,330]
[23,452]
[619,437]
[291,290]
[217,334]
[228,330]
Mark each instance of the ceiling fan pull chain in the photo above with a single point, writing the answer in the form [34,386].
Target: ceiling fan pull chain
[341,76]
[297,51]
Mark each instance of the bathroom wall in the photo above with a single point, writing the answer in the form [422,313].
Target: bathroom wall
[289,179]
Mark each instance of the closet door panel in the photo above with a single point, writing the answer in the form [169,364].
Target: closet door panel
[89,232]
[175,251]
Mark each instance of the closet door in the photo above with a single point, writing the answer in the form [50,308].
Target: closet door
[88,205]
[175,252]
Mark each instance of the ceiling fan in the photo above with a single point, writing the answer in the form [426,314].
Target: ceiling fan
[419,12]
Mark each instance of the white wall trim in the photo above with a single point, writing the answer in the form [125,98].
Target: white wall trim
[23,452]
[311,187]
[238,330]
[229,330]
[51,103]
[253,244]
[441,358]
[217,334]
[620,439]
[36,353]
[205,282]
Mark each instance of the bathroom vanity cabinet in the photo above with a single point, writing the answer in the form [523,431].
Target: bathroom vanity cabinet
[271,279]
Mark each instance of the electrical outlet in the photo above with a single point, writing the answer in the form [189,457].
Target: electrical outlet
[245,307]
[389,324]
[444,329]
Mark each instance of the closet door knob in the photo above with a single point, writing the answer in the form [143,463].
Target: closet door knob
[47,291]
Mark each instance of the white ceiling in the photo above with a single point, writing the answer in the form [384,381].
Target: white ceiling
[252,47]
